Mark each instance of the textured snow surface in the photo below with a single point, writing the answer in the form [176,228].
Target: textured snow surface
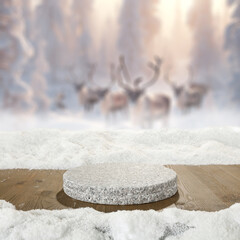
[58,149]
[88,224]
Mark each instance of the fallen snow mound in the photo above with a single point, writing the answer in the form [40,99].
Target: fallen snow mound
[88,224]
[55,149]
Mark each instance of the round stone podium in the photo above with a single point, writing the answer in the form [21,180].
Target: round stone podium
[120,183]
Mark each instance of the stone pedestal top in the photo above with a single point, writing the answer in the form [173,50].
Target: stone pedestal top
[120,183]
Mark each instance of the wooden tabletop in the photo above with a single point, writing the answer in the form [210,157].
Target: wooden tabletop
[207,188]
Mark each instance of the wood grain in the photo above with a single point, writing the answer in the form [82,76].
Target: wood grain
[207,188]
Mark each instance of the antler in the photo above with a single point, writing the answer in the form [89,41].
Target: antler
[120,80]
[124,68]
[156,69]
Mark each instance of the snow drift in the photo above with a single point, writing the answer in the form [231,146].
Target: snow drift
[89,224]
[55,149]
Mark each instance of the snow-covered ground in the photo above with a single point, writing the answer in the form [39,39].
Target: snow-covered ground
[59,149]
[88,224]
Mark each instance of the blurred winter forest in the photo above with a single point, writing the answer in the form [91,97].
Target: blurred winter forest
[119,63]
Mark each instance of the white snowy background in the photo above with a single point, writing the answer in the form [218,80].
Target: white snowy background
[46,47]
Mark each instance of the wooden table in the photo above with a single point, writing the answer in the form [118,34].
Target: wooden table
[208,188]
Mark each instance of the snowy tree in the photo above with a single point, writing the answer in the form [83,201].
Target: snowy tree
[130,35]
[15,52]
[232,40]
[205,50]
[52,24]
[150,25]
[81,23]
[138,27]
[37,68]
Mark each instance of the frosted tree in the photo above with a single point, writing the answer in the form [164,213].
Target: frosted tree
[59,32]
[150,26]
[130,40]
[39,75]
[179,45]
[81,23]
[52,22]
[232,40]
[205,50]
[138,27]
[130,35]
[37,68]
[14,54]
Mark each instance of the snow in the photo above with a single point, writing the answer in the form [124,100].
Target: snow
[59,149]
[87,224]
